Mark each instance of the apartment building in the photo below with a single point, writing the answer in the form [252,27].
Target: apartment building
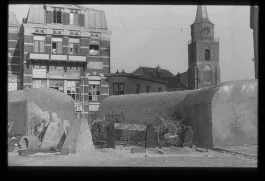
[67,47]
[14,53]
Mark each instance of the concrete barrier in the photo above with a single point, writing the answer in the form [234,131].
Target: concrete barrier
[221,116]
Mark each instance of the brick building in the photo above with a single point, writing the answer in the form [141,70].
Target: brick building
[203,52]
[15,52]
[174,82]
[128,83]
[67,47]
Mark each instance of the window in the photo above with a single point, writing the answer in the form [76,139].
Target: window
[39,46]
[137,88]
[118,88]
[57,84]
[93,49]
[159,89]
[147,88]
[72,88]
[207,55]
[74,48]
[57,16]
[94,93]
[121,88]
[57,47]
[39,83]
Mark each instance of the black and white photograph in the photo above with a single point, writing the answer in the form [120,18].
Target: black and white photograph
[97,85]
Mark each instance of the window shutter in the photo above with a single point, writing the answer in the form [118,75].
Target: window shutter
[42,50]
[66,18]
[81,20]
[76,19]
[78,50]
[36,46]
[65,41]
[49,17]
[48,40]
[62,17]
[54,16]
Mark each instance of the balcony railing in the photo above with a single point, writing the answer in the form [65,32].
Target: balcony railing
[55,57]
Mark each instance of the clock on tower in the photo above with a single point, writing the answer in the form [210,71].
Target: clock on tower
[206,30]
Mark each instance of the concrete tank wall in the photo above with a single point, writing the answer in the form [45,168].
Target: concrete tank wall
[234,114]
[17,115]
[143,108]
[197,107]
[212,111]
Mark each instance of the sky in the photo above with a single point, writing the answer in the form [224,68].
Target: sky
[151,35]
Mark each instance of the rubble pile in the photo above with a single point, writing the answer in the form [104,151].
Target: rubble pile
[13,142]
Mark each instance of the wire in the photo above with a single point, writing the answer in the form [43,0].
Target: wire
[173,28]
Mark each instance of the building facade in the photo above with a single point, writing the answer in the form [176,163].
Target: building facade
[15,53]
[254,24]
[67,47]
[203,52]
[128,83]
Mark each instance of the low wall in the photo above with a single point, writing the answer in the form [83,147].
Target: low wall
[213,111]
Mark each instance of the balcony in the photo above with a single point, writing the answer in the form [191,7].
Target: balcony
[55,57]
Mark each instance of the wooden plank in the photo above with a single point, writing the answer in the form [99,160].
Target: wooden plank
[135,127]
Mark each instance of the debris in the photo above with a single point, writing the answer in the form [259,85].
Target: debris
[138,150]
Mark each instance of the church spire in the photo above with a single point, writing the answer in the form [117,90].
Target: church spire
[202,15]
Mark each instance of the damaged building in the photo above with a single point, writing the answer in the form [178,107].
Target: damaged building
[67,48]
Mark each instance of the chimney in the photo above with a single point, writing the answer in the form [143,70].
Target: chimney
[122,71]
[158,71]
[178,77]
[117,72]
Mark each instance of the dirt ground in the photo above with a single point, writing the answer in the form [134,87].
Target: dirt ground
[122,156]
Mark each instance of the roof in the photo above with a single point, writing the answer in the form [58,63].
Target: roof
[174,83]
[136,76]
[153,72]
[37,93]
[93,18]
[12,20]
[201,15]
[36,14]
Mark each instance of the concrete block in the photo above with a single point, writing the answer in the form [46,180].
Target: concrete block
[70,143]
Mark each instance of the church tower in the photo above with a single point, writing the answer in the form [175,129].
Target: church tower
[203,52]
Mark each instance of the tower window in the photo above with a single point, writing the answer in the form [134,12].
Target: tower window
[207,55]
